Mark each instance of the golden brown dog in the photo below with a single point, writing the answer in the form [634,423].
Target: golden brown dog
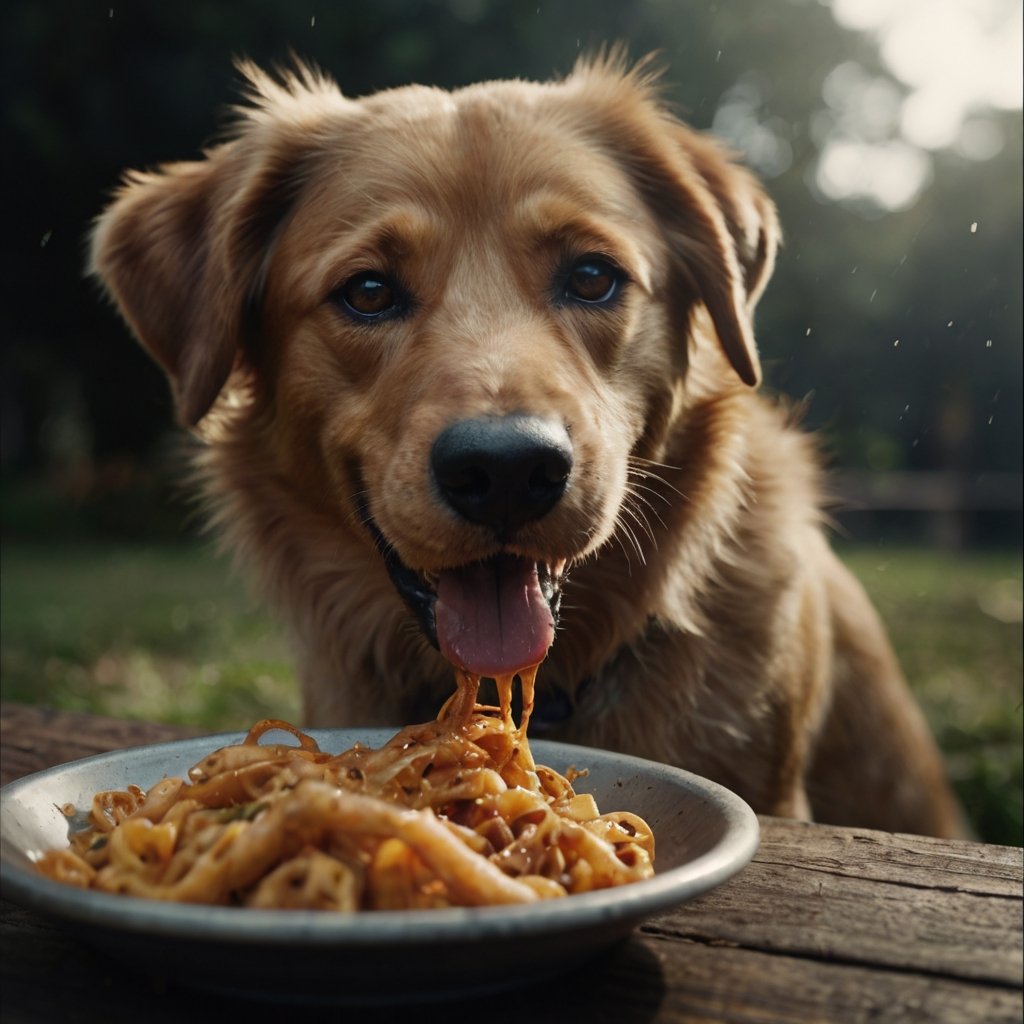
[472,365]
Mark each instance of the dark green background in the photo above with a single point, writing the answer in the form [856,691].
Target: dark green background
[90,89]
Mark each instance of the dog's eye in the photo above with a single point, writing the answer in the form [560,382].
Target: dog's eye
[369,295]
[593,280]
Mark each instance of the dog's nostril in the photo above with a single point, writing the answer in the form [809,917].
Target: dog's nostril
[464,479]
[550,473]
[502,471]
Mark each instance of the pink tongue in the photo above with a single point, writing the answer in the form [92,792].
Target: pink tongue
[492,618]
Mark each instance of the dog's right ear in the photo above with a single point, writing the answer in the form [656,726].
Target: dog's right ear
[159,252]
[182,251]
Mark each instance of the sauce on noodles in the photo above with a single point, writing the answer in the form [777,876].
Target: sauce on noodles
[453,812]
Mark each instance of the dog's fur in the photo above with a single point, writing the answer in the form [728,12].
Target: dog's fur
[705,623]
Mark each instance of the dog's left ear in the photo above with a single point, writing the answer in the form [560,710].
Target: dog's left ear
[722,229]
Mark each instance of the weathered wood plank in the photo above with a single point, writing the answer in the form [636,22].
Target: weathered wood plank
[911,860]
[741,986]
[646,980]
[36,738]
[900,902]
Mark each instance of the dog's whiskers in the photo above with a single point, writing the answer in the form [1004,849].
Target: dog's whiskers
[641,469]
[636,499]
[616,536]
[621,526]
[639,460]
[358,501]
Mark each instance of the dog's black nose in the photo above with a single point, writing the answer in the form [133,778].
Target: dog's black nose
[502,471]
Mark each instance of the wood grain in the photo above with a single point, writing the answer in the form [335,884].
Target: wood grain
[34,738]
[938,907]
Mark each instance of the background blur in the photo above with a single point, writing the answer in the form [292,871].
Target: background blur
[887,131]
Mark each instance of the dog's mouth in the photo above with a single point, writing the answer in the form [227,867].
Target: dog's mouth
[493,618]
[498,616]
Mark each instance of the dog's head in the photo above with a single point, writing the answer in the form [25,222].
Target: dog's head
[458,320]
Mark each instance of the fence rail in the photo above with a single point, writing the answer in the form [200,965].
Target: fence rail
[856,491]
[952,510]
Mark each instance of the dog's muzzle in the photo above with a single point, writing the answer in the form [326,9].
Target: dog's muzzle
[497,616]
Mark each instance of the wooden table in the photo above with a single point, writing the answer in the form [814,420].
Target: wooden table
[826,924]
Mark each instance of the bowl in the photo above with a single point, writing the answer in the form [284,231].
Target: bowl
[704,834]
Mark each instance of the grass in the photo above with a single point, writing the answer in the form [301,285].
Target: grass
[955,620]
[166,633]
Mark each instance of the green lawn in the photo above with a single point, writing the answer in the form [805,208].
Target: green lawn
[167,633]
[164,632]
[955,621]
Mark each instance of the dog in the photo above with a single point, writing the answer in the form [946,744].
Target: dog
[471,369]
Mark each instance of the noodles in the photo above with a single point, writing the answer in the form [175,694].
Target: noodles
[450,813]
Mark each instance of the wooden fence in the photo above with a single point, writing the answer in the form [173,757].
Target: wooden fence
[950,505]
